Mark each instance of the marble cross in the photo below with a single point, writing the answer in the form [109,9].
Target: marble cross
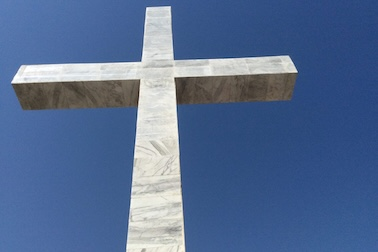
[156,85]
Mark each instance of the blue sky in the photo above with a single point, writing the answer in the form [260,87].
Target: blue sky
[282,176]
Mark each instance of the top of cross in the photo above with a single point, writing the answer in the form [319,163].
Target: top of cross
[116,84]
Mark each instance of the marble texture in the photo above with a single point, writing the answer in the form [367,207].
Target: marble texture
[60,86]
[156,221]
[157,185]
[235,80]
[160,249]
[156,85]
[77,85]
[197,81]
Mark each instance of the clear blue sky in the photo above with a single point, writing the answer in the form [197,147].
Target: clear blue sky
[283,176]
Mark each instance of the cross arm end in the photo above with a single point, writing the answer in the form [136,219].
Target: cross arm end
[61,86]
[235,80]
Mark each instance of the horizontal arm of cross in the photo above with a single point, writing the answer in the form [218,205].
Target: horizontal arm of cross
[235,80]
[60,86]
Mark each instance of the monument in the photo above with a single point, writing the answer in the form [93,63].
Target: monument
[156,85]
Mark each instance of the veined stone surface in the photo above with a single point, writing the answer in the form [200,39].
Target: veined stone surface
[156,221]
[156,85]
[117,84]
[60,86]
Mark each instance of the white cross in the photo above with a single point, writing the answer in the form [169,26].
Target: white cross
[155,85]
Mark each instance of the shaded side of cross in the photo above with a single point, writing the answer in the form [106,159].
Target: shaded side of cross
[156,85]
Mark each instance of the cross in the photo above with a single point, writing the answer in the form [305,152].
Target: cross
[156,85]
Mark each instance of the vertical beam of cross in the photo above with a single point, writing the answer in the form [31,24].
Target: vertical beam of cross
[156,215]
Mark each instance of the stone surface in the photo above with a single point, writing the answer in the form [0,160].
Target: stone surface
[156,221]
[77,85]
[156,85]
[117,84]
